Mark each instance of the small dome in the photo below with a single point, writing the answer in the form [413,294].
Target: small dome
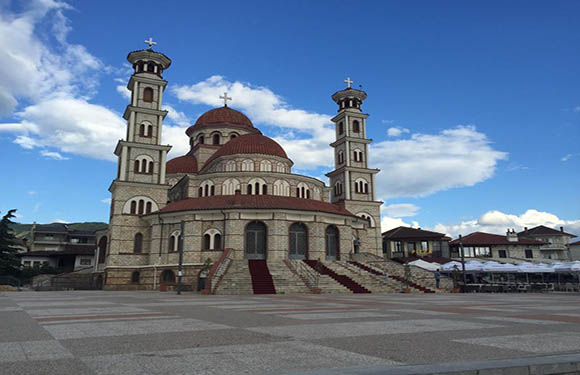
[250,144]
[224,115]
[182,164]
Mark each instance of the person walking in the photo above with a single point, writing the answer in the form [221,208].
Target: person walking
[437,277]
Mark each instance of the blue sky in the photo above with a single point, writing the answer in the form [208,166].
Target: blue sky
[475,107]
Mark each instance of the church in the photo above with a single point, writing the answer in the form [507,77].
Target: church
[233,195]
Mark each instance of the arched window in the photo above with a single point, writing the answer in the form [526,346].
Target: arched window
[168,277]
[135,277]
[133,207]
[355,126]
[142,130]
[138,243]
[150,169]
[265,166]
[282,188]
[340,157]
[207,189]
[148,208]
[233,135]
[361,186]
[281,168]
[136,205]
[141,206]
[302,190]
[201,139]
[174,241]
[217,241]
[358,155]
[367,217]
[216,139]
[332,243]
[231,166]
[206,241]
[136,167]
[247,165]
[298,241]
[255,243]
[148,95]
[149,131]
[257,186]
[338,188]
[340,127]
[230,186]
[150,67]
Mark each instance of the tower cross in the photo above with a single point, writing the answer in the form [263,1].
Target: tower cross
[348,82]
[150,42]
[225,98]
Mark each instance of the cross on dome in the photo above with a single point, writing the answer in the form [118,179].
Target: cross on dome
[150,42]
[225,98]
[348,82]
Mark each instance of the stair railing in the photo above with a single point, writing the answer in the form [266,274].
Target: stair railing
[218,270]
[305,272]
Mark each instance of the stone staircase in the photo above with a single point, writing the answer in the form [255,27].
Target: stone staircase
[322,283]
[352,285]
[421,281]
[237,279]
[286,281]
[374,283]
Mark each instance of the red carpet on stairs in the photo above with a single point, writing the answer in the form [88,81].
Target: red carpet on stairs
[342,279]
[398,278]
[262,282]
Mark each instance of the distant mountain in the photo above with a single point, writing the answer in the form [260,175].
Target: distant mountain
[23,230]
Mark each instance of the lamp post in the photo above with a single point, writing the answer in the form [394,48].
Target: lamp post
[180,250]
[462,263]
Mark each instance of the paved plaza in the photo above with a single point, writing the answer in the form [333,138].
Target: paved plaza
[98,332]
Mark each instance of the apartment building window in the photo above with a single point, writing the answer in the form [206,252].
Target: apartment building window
[86,261]
[529,253]
[502,253]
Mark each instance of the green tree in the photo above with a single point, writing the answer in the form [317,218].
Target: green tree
[9,262]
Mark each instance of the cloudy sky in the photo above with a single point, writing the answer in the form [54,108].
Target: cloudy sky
[475,107]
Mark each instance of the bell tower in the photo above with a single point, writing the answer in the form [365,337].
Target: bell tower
[352,182]
[139,187]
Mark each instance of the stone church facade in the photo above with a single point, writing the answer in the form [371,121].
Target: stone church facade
[233,190]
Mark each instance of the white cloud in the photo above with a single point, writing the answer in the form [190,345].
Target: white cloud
[106,200]
[498,222]
[567,157]
[60,221]
[577,108]
[427,163]
[400,210]
[124,91]
[52,155]
[388,223]
[31,192]
[396,131]
[306,135]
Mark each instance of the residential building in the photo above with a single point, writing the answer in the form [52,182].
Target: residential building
[497,247]
[574,250]
[556,241]
[403,242]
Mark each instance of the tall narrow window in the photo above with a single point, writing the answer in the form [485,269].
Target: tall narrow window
[141,206]
[138,243]
[148,95]
[200,192]
[340,128]
[216,139]
[135,277]
[355,126]
[264,189]
[148,208]
[206,241]
[201,139]
[133,207]
[136,167]
[249,189]
[150,171]
[149,130]
[217,241]
[142,130]
[212,190]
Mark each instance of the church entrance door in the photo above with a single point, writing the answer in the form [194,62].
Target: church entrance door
[332,243]
[255,247]
[298,241]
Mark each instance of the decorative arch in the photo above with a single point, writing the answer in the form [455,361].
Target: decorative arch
[247,165]
[338,188]
[145,129]
[140,205]
[357,155]
[361,186]
[281,168]
[173,241]
[143,164]
[303,190]
[257,186]
[207,188]
[281,187]
[332,242]
[230,186]
[212,239]
[233,135]
[230,166]
[340,157]
[368,217]
[298,241]
[265,166]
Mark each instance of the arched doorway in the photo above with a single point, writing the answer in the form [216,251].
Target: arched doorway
[102,249]
[332,243]
[298,241]
[255,247]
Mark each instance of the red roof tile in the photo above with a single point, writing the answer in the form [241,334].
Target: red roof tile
[542,230]
[220,202]
[575,243]
[250,144]
[482,239]
[224,115]
[182,164]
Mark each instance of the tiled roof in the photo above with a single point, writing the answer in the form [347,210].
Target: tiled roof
[182,164]
[407,233]
[542,230]
[224,115]
[575,243]
[482,239]
[221,202]
[250,144]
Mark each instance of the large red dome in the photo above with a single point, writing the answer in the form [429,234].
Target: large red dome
[182,164]
[250,144]
[224,115]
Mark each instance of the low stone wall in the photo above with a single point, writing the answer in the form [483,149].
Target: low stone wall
[150,278]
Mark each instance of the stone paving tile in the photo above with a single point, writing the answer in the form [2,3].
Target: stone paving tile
[337,315]
[52,367]
[85,311]
[28,304]
[121,328]
[234,359]
[305,332]
[32,351]
[536,343]
[517,320]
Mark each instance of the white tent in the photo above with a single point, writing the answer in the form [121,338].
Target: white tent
[473,265]
[449,266]
[499,267]
[568,267]
[425,265]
